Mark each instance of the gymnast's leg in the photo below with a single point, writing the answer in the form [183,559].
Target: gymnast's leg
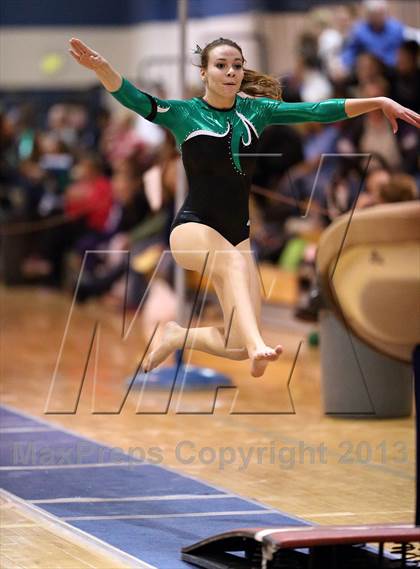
[208,339]
[227,301]
[235,277]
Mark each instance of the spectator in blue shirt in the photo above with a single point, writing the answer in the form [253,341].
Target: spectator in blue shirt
[378,34]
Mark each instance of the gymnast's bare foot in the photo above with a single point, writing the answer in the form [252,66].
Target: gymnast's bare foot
[261,357]
[168,344]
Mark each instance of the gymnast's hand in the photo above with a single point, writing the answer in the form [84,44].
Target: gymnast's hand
[94,61]
[85,55]
[393,111]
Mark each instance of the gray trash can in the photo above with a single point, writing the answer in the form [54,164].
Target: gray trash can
[357,380]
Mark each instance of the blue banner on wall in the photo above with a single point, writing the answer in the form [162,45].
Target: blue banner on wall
[128,12]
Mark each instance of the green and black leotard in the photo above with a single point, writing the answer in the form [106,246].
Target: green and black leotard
[217,148]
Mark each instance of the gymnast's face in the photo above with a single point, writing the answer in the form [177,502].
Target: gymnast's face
[224,73]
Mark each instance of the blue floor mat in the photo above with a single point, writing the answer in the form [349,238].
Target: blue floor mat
[147,511]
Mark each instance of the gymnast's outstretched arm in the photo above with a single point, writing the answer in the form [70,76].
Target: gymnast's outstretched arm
[332,110]
[170,114]
[124,91]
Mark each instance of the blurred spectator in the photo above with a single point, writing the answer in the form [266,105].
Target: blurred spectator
[280,147]
[8,164]
[378,33]
[56,160]
[23,119]
[67,121]
[32,186]
[90,195]
[306,82]
[341,190]
[87,203]
[401,188]
[121,140]
[405,88]
[318,140]
[93,137]
[406,80]
[375,181]
[129,195]
[334,28]
[383,187]
[368,68]
[372,133]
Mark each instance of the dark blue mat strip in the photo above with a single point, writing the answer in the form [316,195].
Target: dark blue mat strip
[147,511]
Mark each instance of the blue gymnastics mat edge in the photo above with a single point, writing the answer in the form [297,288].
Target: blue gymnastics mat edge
[163,467]
[67,531]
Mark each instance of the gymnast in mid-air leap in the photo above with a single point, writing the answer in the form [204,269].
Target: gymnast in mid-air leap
[218,134]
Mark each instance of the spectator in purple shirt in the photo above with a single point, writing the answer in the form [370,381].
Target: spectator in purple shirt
[378,34]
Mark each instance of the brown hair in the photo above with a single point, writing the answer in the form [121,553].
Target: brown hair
[254,83]
[401,188]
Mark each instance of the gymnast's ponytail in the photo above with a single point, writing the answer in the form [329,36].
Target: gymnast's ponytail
[254,83]
[260,85]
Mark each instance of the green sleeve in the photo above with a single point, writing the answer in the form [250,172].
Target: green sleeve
[280,112]
[163,112]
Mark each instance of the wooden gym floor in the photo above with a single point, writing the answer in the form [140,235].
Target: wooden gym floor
[327,470]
